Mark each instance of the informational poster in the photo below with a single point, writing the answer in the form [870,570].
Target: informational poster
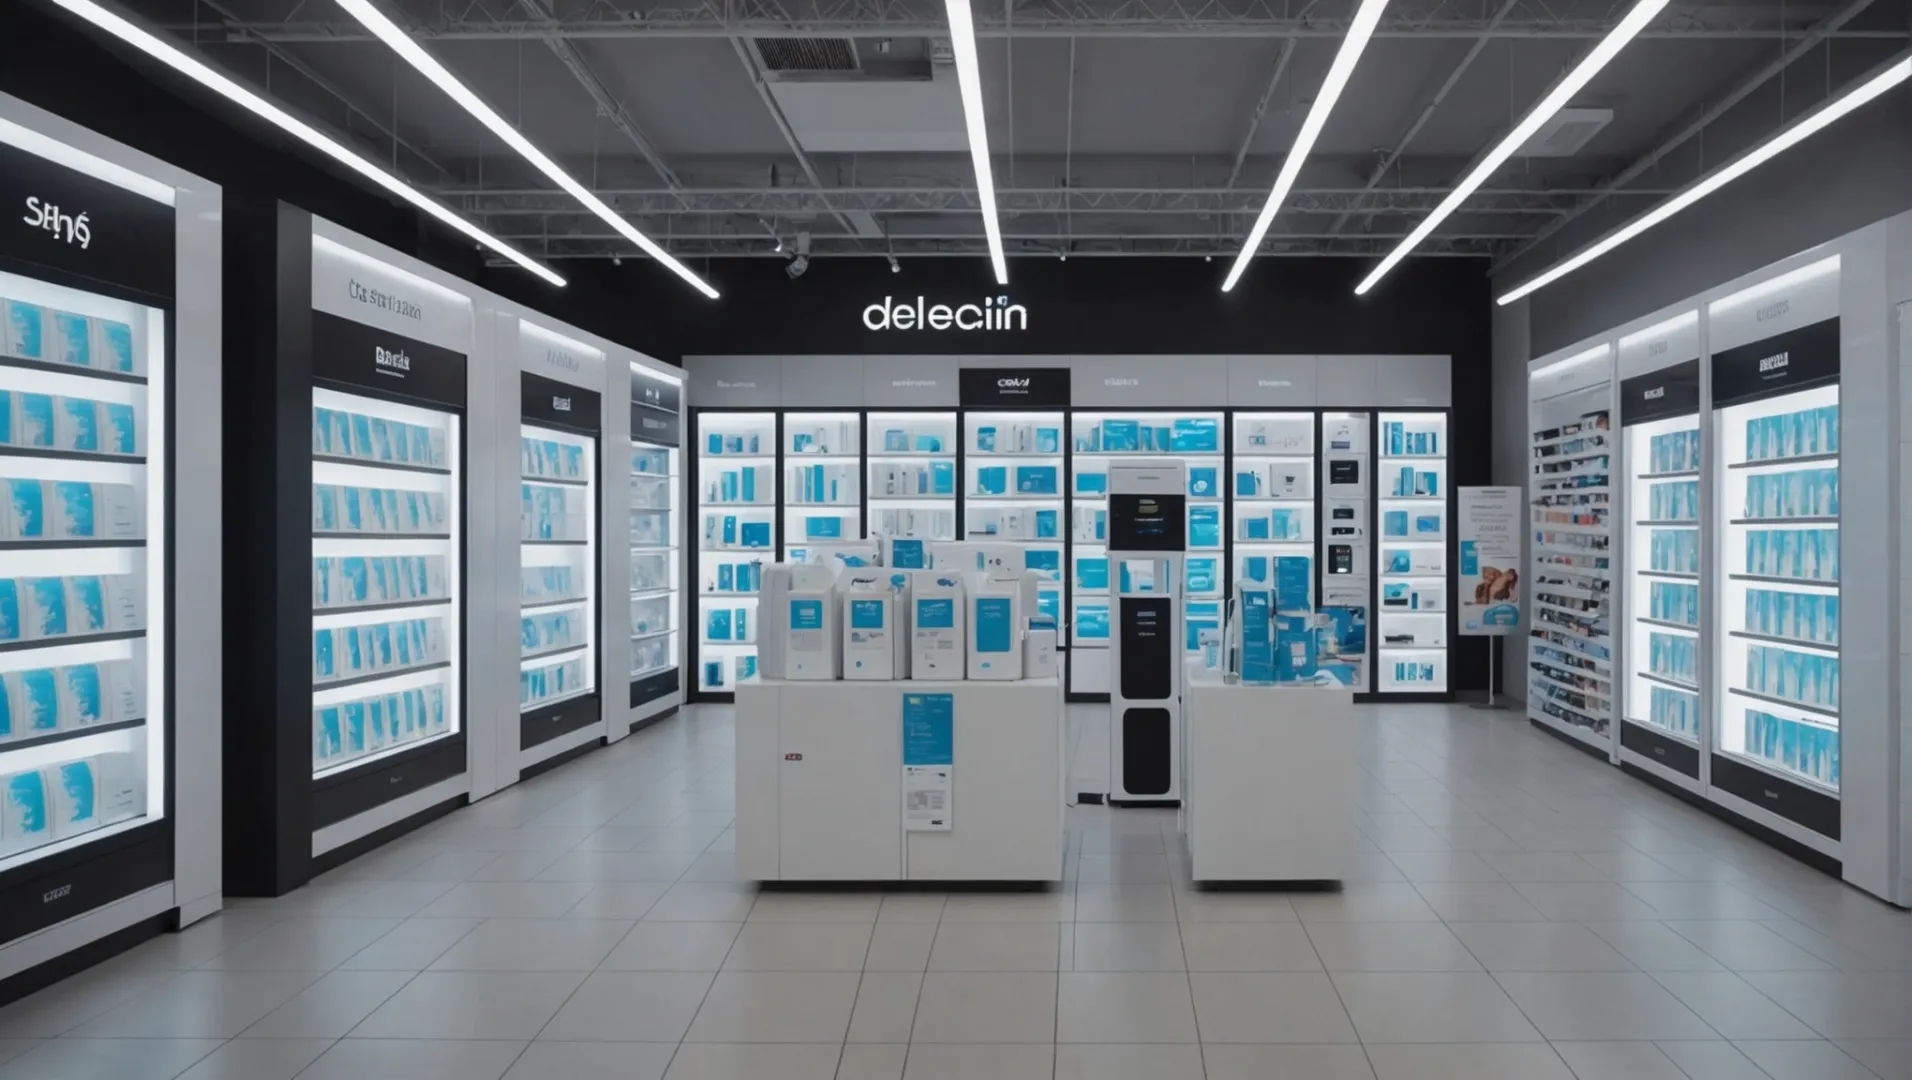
[929,757]
[1491,528]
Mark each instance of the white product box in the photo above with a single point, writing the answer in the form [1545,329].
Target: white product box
[997,619]
[938,624]
[1039,655]
[799,638]
[876,637]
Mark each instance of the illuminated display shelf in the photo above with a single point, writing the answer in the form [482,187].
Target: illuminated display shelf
[557,562]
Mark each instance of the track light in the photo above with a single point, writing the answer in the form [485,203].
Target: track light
[969,80]
[415,55]
[894,268]
[205,76]
[1630,26]
[1366,17]
[1868,89]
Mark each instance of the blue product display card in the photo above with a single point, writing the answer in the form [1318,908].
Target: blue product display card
[26,803]
[1201,575]
[993,480]
[1048,440]
[823,528]
[929,729]
[1292,576]
[1121,436]
[1048,524]
[1092,483]
[755,534]
[936,614]
[1255,568]
[1257,637]
[29,508]
[86,613]
[1092,622]
[36,420]
[1195,436]
[717,624]
[83,686]
[1394,523]
[995,626]
[806,614]
[1204,482]
[9,614]
[1092,572]
[1204,526]
[1254,528]
[47,597]
[1046,562]
[942,478]
[39,702]
[1048,606]
[84,416]
[72,340]
[867,614]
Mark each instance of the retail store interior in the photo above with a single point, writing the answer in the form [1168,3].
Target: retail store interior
[1090,541]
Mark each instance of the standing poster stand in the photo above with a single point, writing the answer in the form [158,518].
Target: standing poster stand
[1490,531]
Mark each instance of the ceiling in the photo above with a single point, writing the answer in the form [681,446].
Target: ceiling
[1117,127]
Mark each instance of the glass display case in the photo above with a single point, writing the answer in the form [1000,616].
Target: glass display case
[655,559]
[822,466]
[1013,494]
[83,603]
[1345,494]
[912,475]
[737,534]
[558,566]
[1411,500]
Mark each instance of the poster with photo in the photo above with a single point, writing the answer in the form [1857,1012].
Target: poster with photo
[1490,535]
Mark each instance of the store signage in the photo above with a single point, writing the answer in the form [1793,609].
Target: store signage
[1782,364]
[1014,387]
[558,404]
[654,410]
[1670,391]
[1491,527]
[65,219]
[368,358]
[994,313]
[384,301]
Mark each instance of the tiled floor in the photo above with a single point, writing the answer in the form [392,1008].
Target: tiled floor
[1519,911]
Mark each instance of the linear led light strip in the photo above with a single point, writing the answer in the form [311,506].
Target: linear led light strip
[311,136]
[1894,74]
[388,32]
[969,80]
[1635,21]
[1359,32]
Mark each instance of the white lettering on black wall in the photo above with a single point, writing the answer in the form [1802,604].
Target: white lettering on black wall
[48,216]
[994,313]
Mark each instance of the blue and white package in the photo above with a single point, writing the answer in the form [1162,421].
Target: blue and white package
[1203,482]
[36,705]
[72,340]
[25,331]
[1202,575]
[1204,527]
[113,347]
[36,427]
[1036,479]
[82,701]
[26,509]
[45,607]
[76,424]
[1197,435]
[10,624]
[1092,622]
[24,821]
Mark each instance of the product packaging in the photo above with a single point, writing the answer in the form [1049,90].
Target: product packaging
[996,617]
[1039,654]
[876,632]
[938,624]
[800,611]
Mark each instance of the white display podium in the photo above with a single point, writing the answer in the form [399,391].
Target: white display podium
[820,787]
[1270,781]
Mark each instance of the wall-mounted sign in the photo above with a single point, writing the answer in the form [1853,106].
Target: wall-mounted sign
[557,404]
[60,217]
[993,313]
[1027,388]
[1670,391]
[655,416]
[369,358]
[1781,364]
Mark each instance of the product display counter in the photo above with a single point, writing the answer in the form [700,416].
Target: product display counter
[891,781]
[1270,780]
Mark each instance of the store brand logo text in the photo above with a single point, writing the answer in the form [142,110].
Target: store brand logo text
[1774,363]
[396,361]
[1772,311]
[994,313]
[384,301]
[46,215]
[1655,394]
[561,404]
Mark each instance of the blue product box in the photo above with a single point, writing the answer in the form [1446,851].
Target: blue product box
[87,610]
[9,615]
[992,480]
[1248,483]
[1394,524]
[1204,527]
[28,503]
[47,600]
[755,534]
[85,418]
[1092,572]
[1048,440]
[36,420]
[1047,562]
[1092,622]
[942,477]
[1257,637]
[116,347]
[1201,575]
[1036,479]
[1092,483]
[1254,568]
[1255,528]
[1048,606]
[717,624]
[26,324]
[1204,482]
[1293,576]
[1121,436]
[1198,617]
[986,439]
[823,528]
[72,340]
[1048,524]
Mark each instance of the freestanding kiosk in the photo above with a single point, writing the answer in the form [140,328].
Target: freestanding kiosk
[1148,541]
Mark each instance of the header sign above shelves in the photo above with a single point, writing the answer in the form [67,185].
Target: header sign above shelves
[1795,360]
[355,286]
[367,358]
[1671,391]
[66,220]
[559,405]
[656,405]
[1015,388]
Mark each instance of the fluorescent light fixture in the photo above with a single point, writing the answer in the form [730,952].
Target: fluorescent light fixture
[1586,356]
[200,73]
[1799,132]
[1635,21]
[1366,17]
[415,55]
[969,79]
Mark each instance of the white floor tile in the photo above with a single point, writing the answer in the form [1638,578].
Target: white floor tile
[777,1007]
[1468,1061]
[663,946]
[108,1059]
[535,945]
[199,1005]
[773,946]
[717,1061]
[1426,1007]
[1129,947]
[1243,1061]
[1015,946]
[1811,1060]
[1617,1061]
[1539,946]
[478,1005]
[258,1059]
[1417,946]
[873,1061]
[331,1007]
[986,1007]
[1138,1007]
[593,1061]
[1243,947]
[1593,1005]
[414,1059]
[946,1061]
[1269,1007]
[1120,1061]
[630,1006]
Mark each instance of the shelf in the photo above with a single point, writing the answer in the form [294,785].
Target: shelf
[1602,695]
[1670,575]
[1435,575]
[1575,489]
[1781,771]
[1813,714]
[1442,649]
[70,369]
[52,545]
[1693,474]
[1590,433]
[1414,541]
[1569,527]
[551,543]
[390,605]
[912,455]
[1797,582]
[525,658]
[543,703]
[1668,524]
[554,481]
[1014,498]
[1768,463]
[1785,521]
[1663,680]
[1290,500]
[1662,624]
[1579,455]
[985,538]
[951,499]
[381,676]
[737,550]
[1594,615]
[542,605]
[1413,498]
[728,595]
[1575,553]
[394,466]
[851,505]
[1786,642]
[1414,457]
[707,643]
[68,639]
[649,634]
[379,536]
[1567,589]
[790,457]
[66,736]
[70,455]
[769,505]
[658,590]
[1568,631]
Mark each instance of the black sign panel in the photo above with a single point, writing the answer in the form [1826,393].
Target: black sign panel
[1148,648]
[560,405]
[655,392]
[1148,522]
[1670,391]
[364,357]
[60,218]
[1781,364]
[1673,754]
[652,426]
[1011,388]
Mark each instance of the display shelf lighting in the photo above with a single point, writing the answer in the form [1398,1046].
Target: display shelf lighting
[1893,74]
[401,43]
[1576,80]
[969,80]
[1366,18]
[179,61]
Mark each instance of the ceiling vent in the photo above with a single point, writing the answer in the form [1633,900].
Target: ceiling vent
[808,56]
[1566,133]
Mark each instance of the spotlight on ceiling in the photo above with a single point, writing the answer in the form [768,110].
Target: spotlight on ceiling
[797,267]
[895,268]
